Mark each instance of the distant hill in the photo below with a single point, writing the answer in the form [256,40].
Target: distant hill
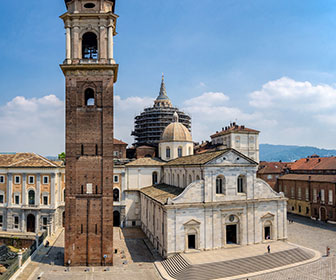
[290,153]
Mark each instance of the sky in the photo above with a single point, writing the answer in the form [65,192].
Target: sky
[269,65]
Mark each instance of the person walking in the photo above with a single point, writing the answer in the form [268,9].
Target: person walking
[269,249]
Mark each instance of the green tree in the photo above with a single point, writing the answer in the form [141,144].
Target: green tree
[61,157]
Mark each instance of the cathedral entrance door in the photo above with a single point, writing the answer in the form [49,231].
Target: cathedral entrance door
[191,241]
[231,234]
[31,223]
[116,219]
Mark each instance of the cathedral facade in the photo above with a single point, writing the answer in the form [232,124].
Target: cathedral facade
[204,201]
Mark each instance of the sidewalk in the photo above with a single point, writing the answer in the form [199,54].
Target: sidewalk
[34,264]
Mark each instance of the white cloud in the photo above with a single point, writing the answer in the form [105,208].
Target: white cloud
[211,111]
[33,125]
[285,111]
[294,95]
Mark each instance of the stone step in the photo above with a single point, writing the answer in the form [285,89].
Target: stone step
[178,268]
[174,265]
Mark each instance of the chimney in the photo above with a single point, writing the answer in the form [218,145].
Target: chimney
[307,159]
[243,126]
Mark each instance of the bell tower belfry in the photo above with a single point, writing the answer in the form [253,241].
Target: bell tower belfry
[90,72]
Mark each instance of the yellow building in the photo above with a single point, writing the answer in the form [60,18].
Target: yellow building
[31,193]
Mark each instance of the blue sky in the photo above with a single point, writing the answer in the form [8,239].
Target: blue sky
[267,64]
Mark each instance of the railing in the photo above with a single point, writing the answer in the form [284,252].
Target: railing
[13,266]
[10,270]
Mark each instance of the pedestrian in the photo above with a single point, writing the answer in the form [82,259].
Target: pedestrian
[269,249]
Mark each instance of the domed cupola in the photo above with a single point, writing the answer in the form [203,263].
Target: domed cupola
[176,141]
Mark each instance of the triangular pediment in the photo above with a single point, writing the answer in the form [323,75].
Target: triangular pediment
[232,157]
[268,216]
[192,222]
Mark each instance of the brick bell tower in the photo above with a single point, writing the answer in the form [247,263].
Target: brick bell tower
[90,72]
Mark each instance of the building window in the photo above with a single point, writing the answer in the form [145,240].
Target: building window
[299,208]
[17,179]
[167,152]
[17,199]
[154,178]
[307,210]
[315,211]
[220,182]
[45,180]
[330,201]
[307,194]
[116,179]
[285,190]
[189,151]
[16,222]
[241,184]
[116,195]
[179,152]
[31,180]
[45,223]
[45,200]
[115,153]
[1,198]
[322,196]
[2,179]
[31,197]
[292,191]
[314,195]
[237,141]
[299,193]
[1,220]
[269,177]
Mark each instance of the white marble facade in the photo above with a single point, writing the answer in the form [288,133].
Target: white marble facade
[238,213]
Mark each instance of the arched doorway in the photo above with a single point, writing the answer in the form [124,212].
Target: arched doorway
[63,219]
[30,223]
[116,218]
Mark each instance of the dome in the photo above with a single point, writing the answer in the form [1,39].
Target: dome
[176,132]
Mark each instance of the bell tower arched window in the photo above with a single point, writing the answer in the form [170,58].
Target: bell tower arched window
[90,46]
[89,97]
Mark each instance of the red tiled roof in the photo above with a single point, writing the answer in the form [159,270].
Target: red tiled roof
[321,163]
[234,128]
[307,177]
[272,167]
[118,142]
[27,160]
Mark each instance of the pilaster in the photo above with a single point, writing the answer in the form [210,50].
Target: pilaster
[52,190]
[38,190]
[24,193]
[9,189]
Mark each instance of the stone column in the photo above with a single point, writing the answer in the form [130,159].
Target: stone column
[20,258]
[38,190]
[24,195]
[9,189]
[23,228]
[37,223]
[102,43]
[75,42]
[110,43]
[68,45]
[52,191]
[123,183]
